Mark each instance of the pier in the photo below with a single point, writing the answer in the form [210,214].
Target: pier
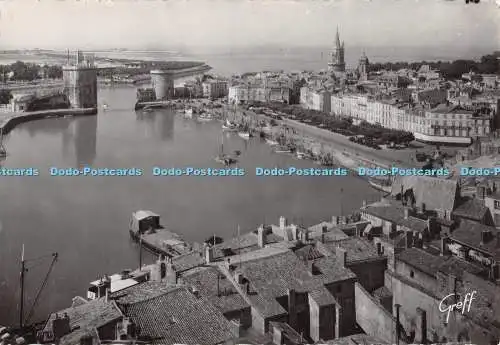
[8,122]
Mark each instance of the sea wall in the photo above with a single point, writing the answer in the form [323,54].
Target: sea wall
[11,121]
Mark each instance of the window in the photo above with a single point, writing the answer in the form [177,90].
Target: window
[412,274]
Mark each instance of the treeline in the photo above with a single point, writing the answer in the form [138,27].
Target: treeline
[376,133]
[488,64]
[22,71]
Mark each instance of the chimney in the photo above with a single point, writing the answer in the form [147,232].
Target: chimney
[294,230]
[261,236]
[209,254]
[421,331]
[292,315]
[364,203]
[379,248]
[485,236]
[86,340]
[422,207]
[494,272]
[409,239]
[335,220]
[171,274]
[341,255]
[406,212]
[282,223]
[107,295]
[60,326]
[444,246]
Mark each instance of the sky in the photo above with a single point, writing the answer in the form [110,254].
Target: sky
[164,24]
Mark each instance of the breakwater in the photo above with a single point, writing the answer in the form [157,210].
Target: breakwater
[12,120]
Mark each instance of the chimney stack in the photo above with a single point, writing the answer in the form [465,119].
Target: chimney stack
[379,248]
[485,236]
[409,239]
[364,203]
[421,331]
[422,207]
[406,212]
[261,236]
[209,254]
[341,255]
[282,223]
[444,246]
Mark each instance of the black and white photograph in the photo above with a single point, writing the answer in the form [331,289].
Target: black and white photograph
[265,172]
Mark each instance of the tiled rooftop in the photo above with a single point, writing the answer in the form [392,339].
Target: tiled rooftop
[431,264]
[180,317]
[85,318]
[472,209]
[245,243]
[394,212]
[469,233]
[219,291]
[435,193]
[357,249]
[270,278]
[140,292]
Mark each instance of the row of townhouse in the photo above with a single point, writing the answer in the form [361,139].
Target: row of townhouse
[445,123]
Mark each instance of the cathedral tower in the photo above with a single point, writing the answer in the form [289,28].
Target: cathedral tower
[337,63]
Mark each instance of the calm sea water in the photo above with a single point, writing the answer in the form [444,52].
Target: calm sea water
[85,219]
[227,61]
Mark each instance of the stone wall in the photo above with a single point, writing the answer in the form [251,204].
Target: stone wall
[372,317]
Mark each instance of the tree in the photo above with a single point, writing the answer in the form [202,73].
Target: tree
[5,96]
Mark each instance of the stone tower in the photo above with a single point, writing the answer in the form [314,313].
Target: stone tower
[80,81]
[337,63]
[363,67]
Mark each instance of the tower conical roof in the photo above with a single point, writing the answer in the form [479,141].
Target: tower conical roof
[337,38]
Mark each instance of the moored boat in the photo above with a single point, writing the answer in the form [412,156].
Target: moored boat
[271,142]
[146,229]
[245,135]
[384,185]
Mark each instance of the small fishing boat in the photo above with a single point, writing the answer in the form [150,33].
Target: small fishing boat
[205,117]
[104,106]
[223,158]
[147,109]
[271,142]
[229,126]
[384,185]
[188,113]
[300,154]
[245,135]
[282,149]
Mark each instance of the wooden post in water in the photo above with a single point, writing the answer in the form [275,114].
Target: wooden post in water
[21,304]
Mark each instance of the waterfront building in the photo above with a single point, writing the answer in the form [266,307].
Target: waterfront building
[80,81]
[215,88]
[20,102]
[445,123]
[146,95]
[258,92]
[453,124]
[318,99]
[336,65]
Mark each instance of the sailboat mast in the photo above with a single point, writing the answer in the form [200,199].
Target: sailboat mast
[21,304]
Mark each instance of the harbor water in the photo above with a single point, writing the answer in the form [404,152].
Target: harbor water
[86,219]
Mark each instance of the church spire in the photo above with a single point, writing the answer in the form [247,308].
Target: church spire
[337,38]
